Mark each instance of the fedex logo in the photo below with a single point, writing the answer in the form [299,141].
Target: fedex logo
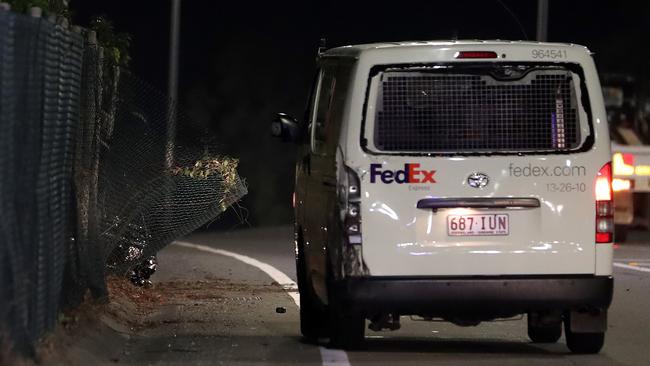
[410,174]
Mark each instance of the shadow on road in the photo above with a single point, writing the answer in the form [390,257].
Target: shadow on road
[458,346]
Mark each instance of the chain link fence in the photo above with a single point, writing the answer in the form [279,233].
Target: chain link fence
[97,173]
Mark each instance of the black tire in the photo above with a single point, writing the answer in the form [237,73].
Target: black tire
[312,319]
[583,343]
[347,330]
[549,334]
[347,326]
[313,316]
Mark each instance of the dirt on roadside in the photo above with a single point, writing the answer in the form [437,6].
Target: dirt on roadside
[100,334]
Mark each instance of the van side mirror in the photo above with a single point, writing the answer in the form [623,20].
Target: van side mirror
[286,128]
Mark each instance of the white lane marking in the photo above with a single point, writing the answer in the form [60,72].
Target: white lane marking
[334,357]
[278,276]
[637,260]
[330,357]
[635,268]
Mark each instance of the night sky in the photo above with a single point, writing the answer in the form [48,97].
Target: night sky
[243,61]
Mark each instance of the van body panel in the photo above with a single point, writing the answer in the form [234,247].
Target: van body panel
[401,240]
[384,230]
[555,238]
[604,259]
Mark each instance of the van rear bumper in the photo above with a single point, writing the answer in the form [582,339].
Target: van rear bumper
[490,296]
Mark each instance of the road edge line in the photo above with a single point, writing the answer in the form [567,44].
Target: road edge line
[634,268]
[289,285]
[329,357]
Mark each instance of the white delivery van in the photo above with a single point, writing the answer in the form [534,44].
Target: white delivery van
[463,180]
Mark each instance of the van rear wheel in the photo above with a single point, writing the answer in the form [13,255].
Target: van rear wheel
[347,326]
[544,326]
[583,343]
[550,334]
[313,318]
[347,330]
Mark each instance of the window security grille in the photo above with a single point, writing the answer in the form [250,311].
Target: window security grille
[471,112]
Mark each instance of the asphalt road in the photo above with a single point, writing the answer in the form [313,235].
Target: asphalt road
[240,325]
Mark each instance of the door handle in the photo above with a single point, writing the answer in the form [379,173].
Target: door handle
[480,202]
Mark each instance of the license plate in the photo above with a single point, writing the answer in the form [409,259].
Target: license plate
[478,225]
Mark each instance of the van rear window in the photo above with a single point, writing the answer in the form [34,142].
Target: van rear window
[473,108]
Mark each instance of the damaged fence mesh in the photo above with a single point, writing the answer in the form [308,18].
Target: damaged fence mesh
[142,177]
[151,190]
[98,171]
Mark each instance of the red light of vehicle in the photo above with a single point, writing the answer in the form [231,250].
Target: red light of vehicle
[628,159]
[619,185]
[604,205]
[604,183]
[604,237]
[476,54]
[623,164]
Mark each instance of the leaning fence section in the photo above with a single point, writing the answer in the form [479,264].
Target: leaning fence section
[91,179]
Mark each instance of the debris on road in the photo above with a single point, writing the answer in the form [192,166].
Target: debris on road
[141,273]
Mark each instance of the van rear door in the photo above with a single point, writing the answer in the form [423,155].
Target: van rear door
[479,169]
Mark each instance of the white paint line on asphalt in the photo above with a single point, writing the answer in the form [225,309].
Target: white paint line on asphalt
[278,276]
[632,260]
[330,357]
[634,268]
[334,357]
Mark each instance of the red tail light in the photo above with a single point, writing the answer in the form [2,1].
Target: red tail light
[476,54]
[604,205]
[604,183]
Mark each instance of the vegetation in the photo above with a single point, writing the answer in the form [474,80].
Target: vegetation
[56,7]
[209,165]
[116,45]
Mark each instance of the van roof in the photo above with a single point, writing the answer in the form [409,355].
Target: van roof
[390,47]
